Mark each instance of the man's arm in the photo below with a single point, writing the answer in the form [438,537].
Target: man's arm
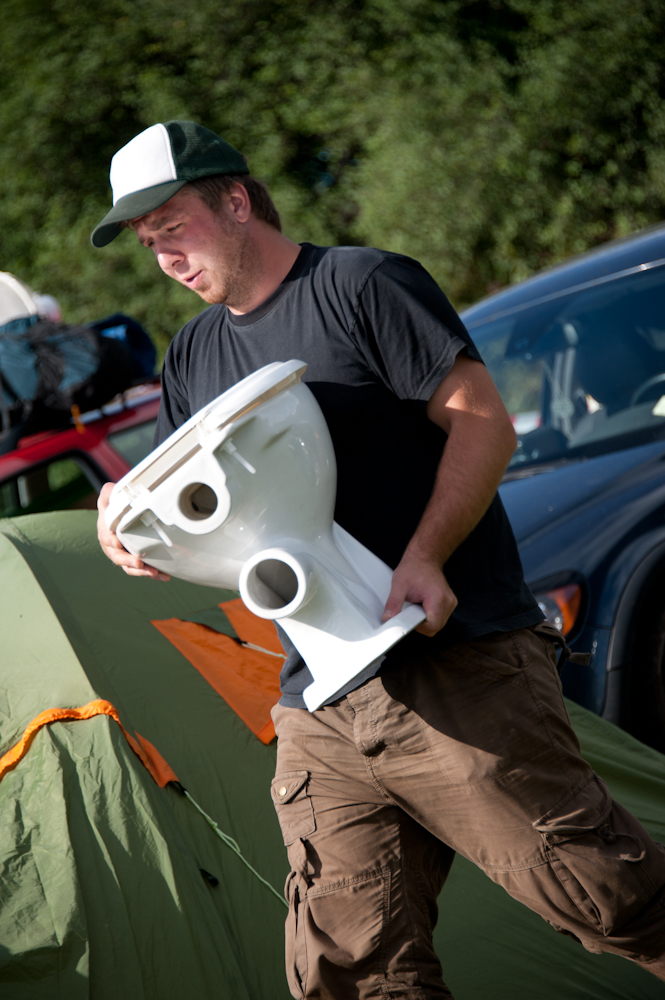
[481,440]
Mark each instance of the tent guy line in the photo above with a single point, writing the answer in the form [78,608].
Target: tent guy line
[233,844]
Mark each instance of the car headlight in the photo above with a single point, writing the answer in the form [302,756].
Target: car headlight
[561,606]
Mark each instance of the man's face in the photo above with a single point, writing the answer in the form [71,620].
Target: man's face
[209,252]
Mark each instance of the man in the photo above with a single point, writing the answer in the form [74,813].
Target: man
[461,741]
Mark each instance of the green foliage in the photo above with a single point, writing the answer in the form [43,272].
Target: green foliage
[487,138]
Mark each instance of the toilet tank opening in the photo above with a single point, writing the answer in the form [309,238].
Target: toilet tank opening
[272,584]
[198,501]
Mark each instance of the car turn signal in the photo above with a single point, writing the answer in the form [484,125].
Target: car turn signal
[561,606]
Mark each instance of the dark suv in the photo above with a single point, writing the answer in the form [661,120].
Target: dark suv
[578,354]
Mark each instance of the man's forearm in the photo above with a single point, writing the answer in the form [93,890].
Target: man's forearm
[473,462]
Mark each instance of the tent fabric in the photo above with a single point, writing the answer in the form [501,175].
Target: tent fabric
[250,628]
[215,619]
[157,767]
[101,891]
[247,677]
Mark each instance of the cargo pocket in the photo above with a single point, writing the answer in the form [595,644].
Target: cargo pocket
[344,929]
[341,930]
[603,858]
[295,811]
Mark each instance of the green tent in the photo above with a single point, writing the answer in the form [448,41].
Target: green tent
[113,886]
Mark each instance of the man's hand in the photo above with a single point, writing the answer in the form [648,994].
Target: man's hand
[115,551]
[421,581]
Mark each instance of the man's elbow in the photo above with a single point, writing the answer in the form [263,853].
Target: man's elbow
[506,439]
[510,440]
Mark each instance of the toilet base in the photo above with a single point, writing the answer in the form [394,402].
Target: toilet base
[343,666]
[332,609]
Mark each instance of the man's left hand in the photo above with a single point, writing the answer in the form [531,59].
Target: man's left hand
[421,581]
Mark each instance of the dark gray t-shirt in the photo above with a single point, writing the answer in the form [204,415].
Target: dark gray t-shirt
[378,336]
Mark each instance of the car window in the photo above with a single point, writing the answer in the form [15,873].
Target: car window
[583,372]
[135,442]
[60,485]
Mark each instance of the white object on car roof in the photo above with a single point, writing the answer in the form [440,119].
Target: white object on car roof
[242,496]
[48,306]
[16,299]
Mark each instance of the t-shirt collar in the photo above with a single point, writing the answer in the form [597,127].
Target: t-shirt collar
[262,310]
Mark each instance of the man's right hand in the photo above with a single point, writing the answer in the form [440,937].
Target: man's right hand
[114,549]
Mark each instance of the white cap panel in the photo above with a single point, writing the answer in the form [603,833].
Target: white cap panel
[147,160]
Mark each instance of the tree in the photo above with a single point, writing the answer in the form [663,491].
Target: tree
[487,138]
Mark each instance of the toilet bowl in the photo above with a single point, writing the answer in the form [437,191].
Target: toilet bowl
[242,497]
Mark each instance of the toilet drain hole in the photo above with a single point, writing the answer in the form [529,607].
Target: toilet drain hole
[272,584]
[198,501]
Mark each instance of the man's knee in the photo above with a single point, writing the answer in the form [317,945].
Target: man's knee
[362,893]
[602,877]
[369,935]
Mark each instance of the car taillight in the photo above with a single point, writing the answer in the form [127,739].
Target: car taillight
[561,606]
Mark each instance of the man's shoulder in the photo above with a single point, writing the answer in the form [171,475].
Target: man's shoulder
[353,266]
[343,254]
[356,258]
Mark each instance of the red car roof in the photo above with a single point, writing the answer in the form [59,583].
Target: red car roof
[89,436]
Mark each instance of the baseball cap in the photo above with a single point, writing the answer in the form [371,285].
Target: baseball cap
[155,164]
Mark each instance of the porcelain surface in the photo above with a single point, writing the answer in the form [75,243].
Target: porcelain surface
[242,496]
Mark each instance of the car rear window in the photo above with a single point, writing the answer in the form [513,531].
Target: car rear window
[59,485]
[582,372]
[135,442]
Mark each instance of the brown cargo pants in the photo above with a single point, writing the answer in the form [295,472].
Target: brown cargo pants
[470,751]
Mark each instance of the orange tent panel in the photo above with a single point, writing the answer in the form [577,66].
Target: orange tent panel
[251,628]
[247,679]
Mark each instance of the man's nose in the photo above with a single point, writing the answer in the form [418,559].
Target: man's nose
[168,258]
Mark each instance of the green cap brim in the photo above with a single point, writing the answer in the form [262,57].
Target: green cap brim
[133,206]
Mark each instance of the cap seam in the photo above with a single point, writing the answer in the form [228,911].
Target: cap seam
[171,154]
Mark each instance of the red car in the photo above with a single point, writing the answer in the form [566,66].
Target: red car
[65,469]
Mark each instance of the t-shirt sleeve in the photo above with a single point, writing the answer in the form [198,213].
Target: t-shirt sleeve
[174,405]
[407,329]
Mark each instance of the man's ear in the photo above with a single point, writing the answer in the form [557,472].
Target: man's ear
[239,203]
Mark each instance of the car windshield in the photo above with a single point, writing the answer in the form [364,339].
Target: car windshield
[581,372]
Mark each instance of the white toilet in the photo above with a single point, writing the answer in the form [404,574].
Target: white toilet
[242,496]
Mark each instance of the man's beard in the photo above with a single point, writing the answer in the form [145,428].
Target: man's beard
[233,272]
